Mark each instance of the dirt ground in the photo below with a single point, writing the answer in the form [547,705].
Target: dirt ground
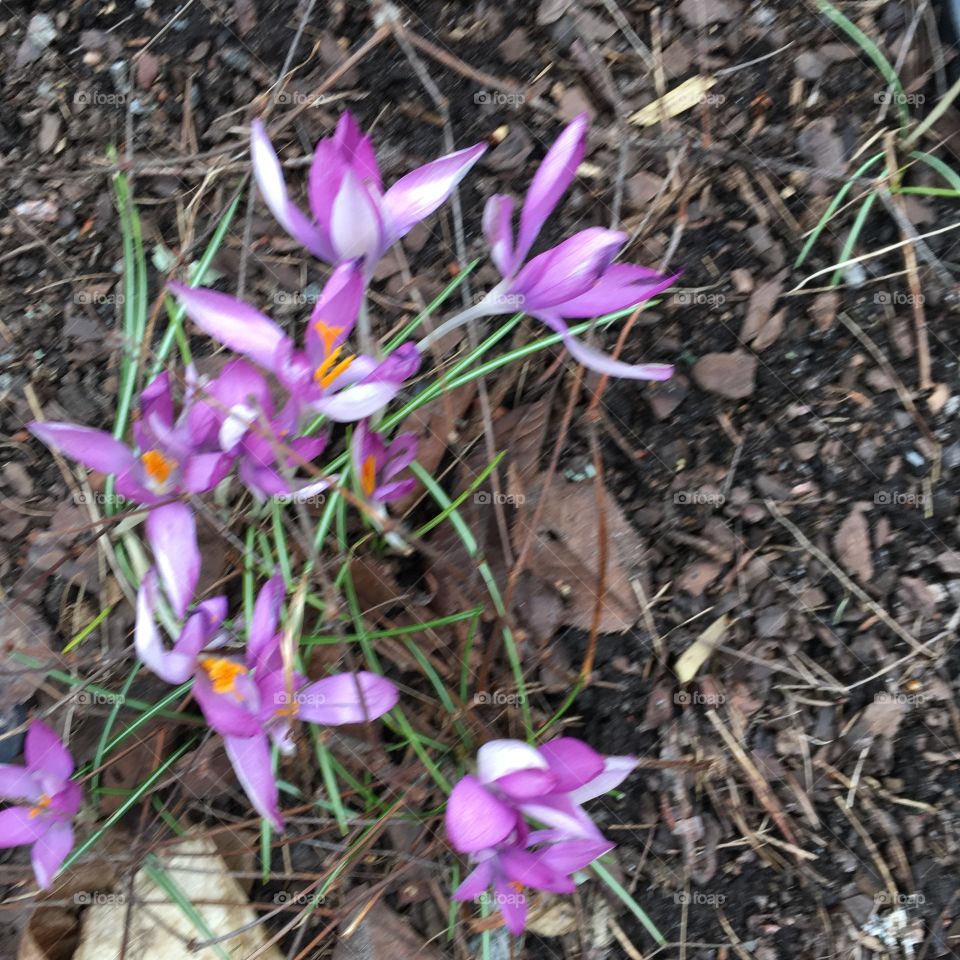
[792,492]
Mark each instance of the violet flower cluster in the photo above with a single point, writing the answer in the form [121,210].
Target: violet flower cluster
[520,818]
[488,817]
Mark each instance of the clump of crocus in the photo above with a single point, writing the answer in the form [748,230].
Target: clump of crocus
[174,454]
[323,377]
[575,279]
[487,816]
[50,801]
[353,217]
[250,699]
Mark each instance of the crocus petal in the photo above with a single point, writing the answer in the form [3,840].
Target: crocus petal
[572,762]
[498,758]
[50,851]
[18,827]
[44,751]
[594,359]
[336,309]
[356,229]
[400,366]
[416,195]
[129,487]
[529,870]
[172,533]
[565,816]
[620,286]
[347,698]
[553,176]
[262,639]
[615,771]
[397,490]
[203,471]
[400,454]
[476,819]
[18,783]
[356,402]
[568,269]
[169,666]
[269,176]
[513,907]
[95,449]
[250,757]
[356,150]
[498,229]
[475,882]
[231,322]
[524,784]
[66,801]
[568,856]
[232,713]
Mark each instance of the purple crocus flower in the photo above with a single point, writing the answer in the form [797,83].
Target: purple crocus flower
[322,377]
[496,838]
[52,800]
[352,216]
[173,454]
[486,818]
[250,430]
[250,700]
[377,464]
[575,279]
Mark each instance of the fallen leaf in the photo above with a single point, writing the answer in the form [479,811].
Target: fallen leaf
[697,577]
[731,375]
[760,308]
[381,934]
[695,656]
[852,546]
[676,101]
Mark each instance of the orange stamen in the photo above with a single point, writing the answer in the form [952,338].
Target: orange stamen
[517,885]
[328,334]
[42,804]
[368,476]
[289,711]
[158,466]
[329,370]
[223,673]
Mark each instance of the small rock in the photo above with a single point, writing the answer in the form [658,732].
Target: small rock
[550,11]
[806,450]
[823,309]
[699,14]
[731,375]
[771,623]
[41,32]
[809,65]
[666,395]
[49,132]
[516,47]
[697,577]
[18,478]
[642,187]
[148,66]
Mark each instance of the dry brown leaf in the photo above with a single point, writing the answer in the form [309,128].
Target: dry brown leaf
[852,546]
[674,102]
[695,656]
[382,934]
[731,375]
[760,307]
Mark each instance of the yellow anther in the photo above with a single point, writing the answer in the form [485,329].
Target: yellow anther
[158,466]
[42,804]
[329,370]
[368,476]
[223,673]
